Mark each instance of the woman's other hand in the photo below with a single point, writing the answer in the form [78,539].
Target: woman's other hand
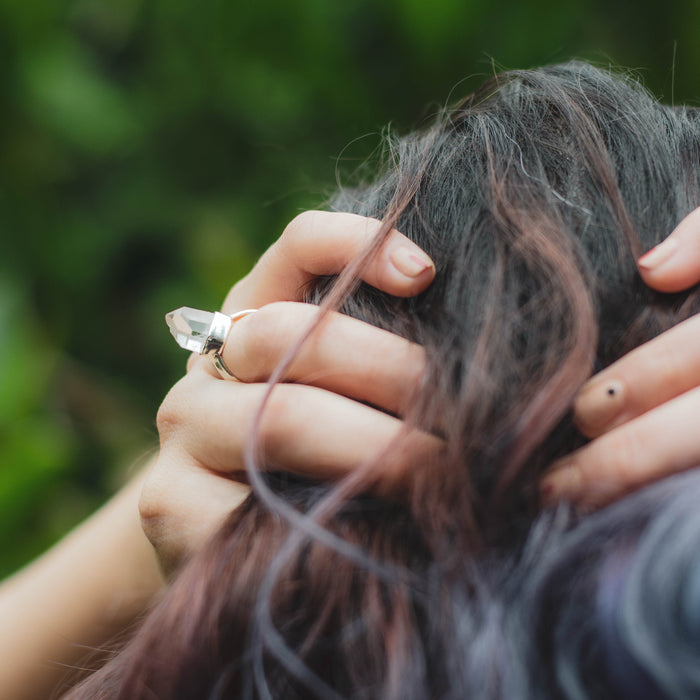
[643,409]
[331,415]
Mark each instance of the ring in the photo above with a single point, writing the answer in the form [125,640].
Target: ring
[205,333]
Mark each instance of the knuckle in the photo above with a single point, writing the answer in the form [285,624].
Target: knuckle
[262,338]
[298,226]
[262,327]
[253,352]
[286,322]
[230,304]
[168,418]
[277,426]
[152,509]
[171,412]
[149,508]
[160,511]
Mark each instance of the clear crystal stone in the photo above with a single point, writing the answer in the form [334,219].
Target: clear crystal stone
[190,327]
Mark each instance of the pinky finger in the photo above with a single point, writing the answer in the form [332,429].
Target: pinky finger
[183,504]
[657,444]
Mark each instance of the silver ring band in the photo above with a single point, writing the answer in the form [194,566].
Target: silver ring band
[218,335]
[205,333]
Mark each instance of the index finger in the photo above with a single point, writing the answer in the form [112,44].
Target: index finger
[650,375]
[322,243]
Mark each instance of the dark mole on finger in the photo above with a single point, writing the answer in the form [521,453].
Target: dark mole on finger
[611,391]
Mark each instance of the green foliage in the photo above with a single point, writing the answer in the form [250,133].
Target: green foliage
[151,150]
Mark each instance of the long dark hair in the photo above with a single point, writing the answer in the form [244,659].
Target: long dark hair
[534,197]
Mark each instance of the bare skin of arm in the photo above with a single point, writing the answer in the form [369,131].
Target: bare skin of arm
[78,596]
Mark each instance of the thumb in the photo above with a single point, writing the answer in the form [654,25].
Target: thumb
[674,264]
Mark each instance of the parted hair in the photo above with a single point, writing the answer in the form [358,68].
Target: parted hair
[534,197]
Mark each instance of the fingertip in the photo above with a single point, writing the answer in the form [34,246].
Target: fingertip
[659,255]
[410,261]
[564,482]
[407,269]
[599,405]
[673,277]
[674,264]
[415,270]
[422,282]
[663,269]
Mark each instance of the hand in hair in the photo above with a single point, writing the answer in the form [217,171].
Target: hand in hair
[57,607]
[642,410]
[321,425]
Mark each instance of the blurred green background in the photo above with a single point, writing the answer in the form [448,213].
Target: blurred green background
[150,150]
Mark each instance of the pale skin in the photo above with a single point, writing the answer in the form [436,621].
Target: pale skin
[101,576]
[77,596]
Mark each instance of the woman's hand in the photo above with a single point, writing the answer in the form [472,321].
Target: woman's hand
[642,410]
[318,425]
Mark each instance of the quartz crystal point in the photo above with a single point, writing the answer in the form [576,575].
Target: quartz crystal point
[190,327]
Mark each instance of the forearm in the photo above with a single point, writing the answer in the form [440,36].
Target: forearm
[77,596]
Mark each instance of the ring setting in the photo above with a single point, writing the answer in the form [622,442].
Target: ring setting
[204,332]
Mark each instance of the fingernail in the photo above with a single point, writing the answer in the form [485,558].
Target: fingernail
[658,255]
[410,262]
[598,404]
[564,482]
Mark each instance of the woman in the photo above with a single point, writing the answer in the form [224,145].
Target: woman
[178,525]
[534,198]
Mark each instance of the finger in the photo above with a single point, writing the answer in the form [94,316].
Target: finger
[182,505]
[303,429]
[657,444]
[653,373]
[343,354]
[323,243]
[674,264]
